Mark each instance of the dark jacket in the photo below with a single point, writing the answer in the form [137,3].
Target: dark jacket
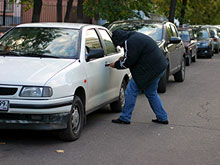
[142,56]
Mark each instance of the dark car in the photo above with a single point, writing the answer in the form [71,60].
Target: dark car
[190,44]
[205,44]
[167,38]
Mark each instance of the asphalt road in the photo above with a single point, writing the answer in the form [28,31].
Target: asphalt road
[191,138]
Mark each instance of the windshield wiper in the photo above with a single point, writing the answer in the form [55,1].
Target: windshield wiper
[9,53]
[38,55]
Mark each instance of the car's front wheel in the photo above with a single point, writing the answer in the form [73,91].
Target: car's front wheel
[180,75]
[117,105]
[75,121]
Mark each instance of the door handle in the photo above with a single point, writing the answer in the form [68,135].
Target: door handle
[107,64]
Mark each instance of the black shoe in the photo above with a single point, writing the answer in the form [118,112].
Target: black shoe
[160,122]
[119,121]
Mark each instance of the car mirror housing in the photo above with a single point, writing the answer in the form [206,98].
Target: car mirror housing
[175,40]
[119,49]
[95,53]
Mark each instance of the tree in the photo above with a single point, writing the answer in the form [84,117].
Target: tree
[35,4]
[68,10]
[112,10]
[191,11]
[59,10]
[172,10]
[80,11]
[37,10]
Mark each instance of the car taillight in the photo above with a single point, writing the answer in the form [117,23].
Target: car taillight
[188,51]
[215,39]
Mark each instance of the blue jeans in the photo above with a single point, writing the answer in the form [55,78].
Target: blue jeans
[131,94]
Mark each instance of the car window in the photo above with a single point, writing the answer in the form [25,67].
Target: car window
[110,48]
[92,39]
[168,32]
[202,34]
[184,35]
[40,41]
[174,32]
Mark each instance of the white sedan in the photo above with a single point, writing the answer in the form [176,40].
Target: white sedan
[54,74]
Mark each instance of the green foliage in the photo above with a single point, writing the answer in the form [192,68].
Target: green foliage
[196,11]
[112,10]
[28,3]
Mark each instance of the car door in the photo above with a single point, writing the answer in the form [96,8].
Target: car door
[114,76]
[97,73]
[178,49]
[170,48]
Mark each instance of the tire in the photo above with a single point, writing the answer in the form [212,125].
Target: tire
[210,55]
[75,121]
[162,86]
[180,75]
[117,105]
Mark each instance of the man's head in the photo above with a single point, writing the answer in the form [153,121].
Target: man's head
[119,37]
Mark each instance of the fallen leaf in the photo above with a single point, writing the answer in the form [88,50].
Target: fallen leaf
[171,127]
[60,151]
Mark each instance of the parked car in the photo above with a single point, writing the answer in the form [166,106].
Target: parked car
[54,74]
[215,34]
[190,44]
[205,44]
[167,38]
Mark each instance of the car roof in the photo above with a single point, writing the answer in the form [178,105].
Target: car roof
[55,25]
[137,21]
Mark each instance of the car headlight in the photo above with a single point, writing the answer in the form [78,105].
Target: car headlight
[36,92]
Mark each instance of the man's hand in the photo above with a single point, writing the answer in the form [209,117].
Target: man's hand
[112,64]
[121,58]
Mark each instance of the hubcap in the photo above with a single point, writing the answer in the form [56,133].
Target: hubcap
[75,118]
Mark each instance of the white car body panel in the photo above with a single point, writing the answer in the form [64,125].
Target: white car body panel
[30,70]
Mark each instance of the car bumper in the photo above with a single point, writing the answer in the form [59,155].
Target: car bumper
[34,122]
[36,114]
[204,52]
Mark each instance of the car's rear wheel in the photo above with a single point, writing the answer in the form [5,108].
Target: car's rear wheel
[75,121]
[180,75]
[117,105]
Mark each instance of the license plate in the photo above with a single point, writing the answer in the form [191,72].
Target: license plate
[4,105]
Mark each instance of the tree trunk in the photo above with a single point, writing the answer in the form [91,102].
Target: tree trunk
[172,10]
[183,9]
[37,10]
[4,11]
[80,11]
[68,10]
[59,10]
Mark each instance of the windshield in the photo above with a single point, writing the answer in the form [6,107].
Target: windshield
[184,35]
[152,30]
[202,34]
[39,41]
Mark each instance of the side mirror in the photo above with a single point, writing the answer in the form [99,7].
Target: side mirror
[175,40]
[119,49]
[94,53]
